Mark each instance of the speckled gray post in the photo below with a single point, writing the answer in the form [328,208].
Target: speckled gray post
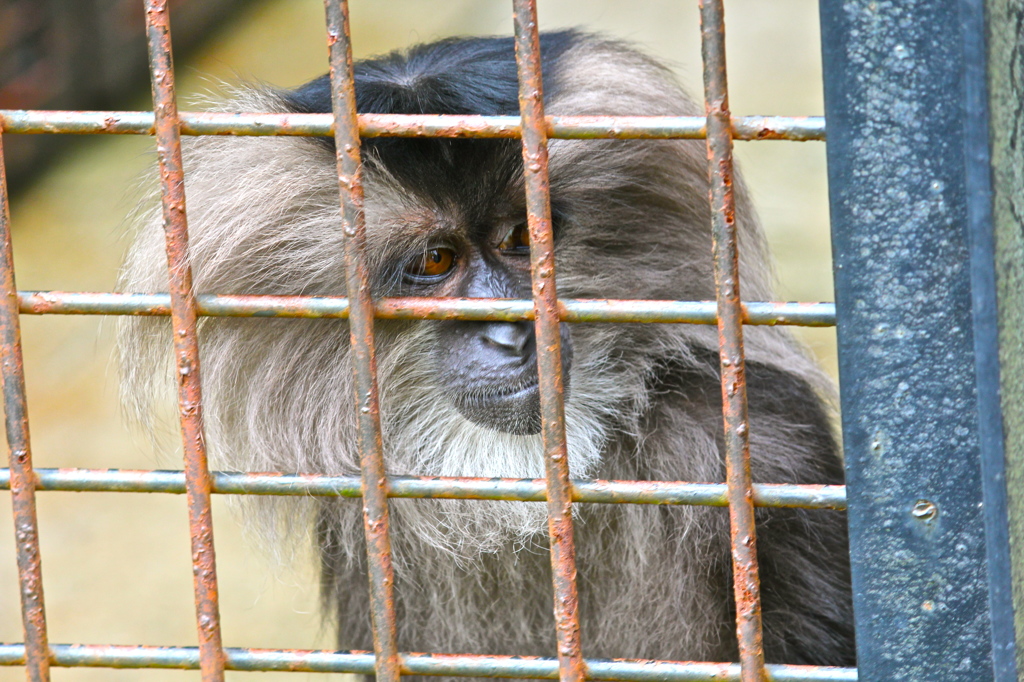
[907,115]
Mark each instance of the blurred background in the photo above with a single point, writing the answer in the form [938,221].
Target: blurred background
[116,567]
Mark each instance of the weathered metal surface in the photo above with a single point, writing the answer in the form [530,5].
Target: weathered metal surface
[364,364]
[20,476]
[362,663]
[547,326]
[186,344]
[519,489]
[505,310]
[746,586]
[908,175]
[794,128]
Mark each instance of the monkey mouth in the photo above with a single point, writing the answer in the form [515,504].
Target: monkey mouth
[511,392]
[515,411]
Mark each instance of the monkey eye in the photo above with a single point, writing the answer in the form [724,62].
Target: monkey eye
[432,265]
[516,241]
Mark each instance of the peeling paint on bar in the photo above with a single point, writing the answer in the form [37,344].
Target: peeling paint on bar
[361,662]
[185,340]
[376,519]
[20,475]
[746,583]
[521,489]
[505,310]
[547,332]
[793,128]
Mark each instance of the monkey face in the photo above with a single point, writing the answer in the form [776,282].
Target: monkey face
[486,370]
[489,369]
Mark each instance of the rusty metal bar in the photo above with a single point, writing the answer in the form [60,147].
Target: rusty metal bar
[793,128]
[547,326]
[371,450]
[186,343]
[21,477]
[746,585]
[499,309]
[362,662]
[517,489]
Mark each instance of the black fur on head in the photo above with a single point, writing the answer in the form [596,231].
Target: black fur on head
[454,76]
[444,218]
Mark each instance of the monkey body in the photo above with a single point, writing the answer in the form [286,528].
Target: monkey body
[459,398]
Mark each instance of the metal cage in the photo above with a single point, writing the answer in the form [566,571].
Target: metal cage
[926,208]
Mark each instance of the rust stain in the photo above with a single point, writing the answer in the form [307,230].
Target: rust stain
[731,316]
[186,344]
[794,128]
[572,667]
[376,519]
[22,475]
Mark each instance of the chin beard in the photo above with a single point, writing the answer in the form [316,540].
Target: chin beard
[425,434]
[441,442]
[516,413]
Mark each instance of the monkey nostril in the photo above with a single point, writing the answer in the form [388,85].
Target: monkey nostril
[508,337]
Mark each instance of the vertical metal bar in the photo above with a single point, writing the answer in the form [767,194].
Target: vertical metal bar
[910,195]
[549,350]
[1005,62]
[981,240]
[186,343]
[23,487]
[371,451]
[746,585]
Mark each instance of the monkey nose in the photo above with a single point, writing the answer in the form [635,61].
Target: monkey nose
[509,337]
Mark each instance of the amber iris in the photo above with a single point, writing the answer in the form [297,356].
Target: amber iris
[433,263]
[517,240]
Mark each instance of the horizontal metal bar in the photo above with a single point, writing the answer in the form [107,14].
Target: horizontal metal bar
[571,310]
[794,128]
[518,489]
[361,662]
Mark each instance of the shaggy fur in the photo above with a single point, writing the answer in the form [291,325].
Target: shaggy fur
[632,221]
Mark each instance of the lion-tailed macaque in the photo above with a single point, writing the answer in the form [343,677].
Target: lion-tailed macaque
[446,217]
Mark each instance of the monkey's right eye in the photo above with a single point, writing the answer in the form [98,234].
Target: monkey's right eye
[433,265]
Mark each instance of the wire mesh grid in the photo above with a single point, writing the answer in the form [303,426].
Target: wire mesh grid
[184,307]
